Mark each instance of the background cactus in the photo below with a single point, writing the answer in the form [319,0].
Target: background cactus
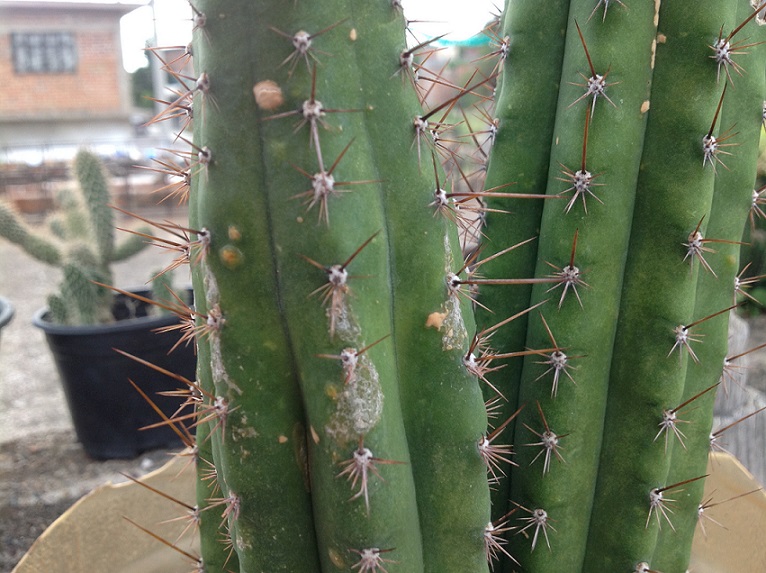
[347,403]
[80,241]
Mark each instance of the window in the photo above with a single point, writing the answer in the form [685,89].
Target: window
[44,53]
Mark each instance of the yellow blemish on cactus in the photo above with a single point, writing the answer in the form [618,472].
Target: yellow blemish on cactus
[352,35]
[336,558]
[282,439]
[231,256]
[645,106]
[268,95]
[436,320]
[314,435]
[331,391]
[234,233]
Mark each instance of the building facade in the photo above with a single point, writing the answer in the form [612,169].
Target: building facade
[63,84]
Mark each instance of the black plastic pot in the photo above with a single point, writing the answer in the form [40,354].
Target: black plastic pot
[107,412]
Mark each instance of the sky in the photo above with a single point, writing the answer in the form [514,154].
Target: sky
[461,18]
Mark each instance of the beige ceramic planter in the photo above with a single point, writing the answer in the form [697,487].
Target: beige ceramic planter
[94,536]
[740,546]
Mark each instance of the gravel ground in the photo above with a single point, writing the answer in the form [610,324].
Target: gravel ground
[43,469]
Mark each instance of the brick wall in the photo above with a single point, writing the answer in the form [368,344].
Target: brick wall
[98,88]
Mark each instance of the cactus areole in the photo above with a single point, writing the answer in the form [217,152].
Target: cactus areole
[368,399]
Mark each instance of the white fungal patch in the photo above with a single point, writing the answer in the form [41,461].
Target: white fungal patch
[212,298]
[454,332]
[242,544]
[346,327]
[359,406]
[244,433]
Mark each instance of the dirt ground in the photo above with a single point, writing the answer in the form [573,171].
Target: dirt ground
[43,469]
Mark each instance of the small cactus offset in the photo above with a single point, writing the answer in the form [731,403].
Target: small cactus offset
[80,241]
[370,400]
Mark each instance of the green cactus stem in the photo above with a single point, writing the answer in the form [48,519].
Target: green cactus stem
[732,203]
[639,218]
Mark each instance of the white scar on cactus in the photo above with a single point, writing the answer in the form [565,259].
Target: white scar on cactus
[343,322]
[454,332]
[212,298]
[359,406]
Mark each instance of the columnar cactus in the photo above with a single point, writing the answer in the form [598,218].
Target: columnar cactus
[344,388]
[80,242]
[654,262]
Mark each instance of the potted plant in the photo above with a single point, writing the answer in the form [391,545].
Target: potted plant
[84,322]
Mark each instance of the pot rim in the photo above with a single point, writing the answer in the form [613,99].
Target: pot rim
[40,320]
